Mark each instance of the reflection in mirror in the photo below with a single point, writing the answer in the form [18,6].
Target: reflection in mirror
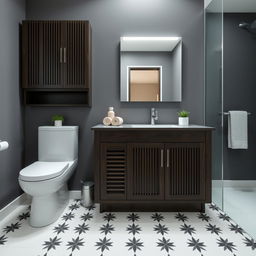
[151,69]
[144,84]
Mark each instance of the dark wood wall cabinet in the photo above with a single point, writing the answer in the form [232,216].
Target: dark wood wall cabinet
[152,169]
[56,62]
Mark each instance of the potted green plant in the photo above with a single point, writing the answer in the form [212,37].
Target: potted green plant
[57,119]
[183,118]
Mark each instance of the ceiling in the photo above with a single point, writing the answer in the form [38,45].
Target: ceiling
[239,5]
[233,5]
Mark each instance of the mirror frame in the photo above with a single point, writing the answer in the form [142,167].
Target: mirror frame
[173,45]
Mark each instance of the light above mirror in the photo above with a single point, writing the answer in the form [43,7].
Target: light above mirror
[147,44]
[149,38]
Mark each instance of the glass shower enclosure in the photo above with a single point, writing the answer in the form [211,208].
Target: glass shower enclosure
[230,78]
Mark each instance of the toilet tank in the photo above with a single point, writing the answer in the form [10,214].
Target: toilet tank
[57,143]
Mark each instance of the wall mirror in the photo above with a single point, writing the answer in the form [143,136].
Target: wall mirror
[151,69]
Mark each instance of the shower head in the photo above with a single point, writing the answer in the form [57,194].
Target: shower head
[244,25]
[250,27]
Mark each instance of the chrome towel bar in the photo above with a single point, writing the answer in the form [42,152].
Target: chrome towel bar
[227,113]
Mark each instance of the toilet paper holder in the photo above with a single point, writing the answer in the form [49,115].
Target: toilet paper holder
[3,145]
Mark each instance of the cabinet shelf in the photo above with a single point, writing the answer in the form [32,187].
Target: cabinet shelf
[55,97]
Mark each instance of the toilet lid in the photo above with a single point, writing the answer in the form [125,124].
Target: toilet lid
[43,170]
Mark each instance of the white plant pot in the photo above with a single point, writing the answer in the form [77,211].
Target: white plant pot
[58,123]
[184,121]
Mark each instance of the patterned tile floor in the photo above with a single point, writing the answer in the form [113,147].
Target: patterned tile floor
[81,231]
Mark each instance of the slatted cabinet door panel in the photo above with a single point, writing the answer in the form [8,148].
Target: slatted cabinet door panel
[31,42]
[42,54]
[146,171]
[185,171]
[113,171]
[52,54]
[77,54]
[56,55]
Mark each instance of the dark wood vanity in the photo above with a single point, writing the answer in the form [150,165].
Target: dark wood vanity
[153,168]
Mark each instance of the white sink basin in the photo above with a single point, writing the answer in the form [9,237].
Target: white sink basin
[152,126]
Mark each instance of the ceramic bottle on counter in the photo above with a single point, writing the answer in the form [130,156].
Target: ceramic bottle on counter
[111,112]
[108,119]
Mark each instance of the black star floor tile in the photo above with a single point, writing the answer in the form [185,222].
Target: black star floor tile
[84,231]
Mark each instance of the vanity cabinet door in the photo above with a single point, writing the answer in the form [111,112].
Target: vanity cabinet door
[185,171]
[113,168]
[145,171]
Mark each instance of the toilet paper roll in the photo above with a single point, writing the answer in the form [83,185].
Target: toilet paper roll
[3,145]
[107,121]
[117,121]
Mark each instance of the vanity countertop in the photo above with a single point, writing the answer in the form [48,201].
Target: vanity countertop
[152,127]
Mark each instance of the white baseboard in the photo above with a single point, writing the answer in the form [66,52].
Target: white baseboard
[74,194]
[234,183]
[239,183]
[25,199]
[18,201]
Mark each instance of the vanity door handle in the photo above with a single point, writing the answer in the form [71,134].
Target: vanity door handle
[168,158]
[61,55]
[162,158]
[65,55]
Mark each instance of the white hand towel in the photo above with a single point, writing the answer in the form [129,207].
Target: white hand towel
[117,121]
[107,121]
[238,130]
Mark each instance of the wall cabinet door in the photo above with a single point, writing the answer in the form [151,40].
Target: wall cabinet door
[31,43]
[145,171]
[113,168]
[51,64]
[56,54]
[77,54]
[185,171]
[42,44]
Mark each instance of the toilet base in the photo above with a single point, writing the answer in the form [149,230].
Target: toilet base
[47,209]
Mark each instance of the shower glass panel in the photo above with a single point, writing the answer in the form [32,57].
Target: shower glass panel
[239,61]
[214,92]
[230,61]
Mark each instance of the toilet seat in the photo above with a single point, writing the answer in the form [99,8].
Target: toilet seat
[39,171]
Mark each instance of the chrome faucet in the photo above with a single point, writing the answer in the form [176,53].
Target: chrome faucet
[154,116]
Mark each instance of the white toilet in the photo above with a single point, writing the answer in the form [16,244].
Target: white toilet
[46,180]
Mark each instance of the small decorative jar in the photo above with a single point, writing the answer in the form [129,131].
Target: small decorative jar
[184,121]
[58,122]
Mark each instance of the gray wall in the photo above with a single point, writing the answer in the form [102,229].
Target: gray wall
[239,92]
[11,125]
[110,20]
